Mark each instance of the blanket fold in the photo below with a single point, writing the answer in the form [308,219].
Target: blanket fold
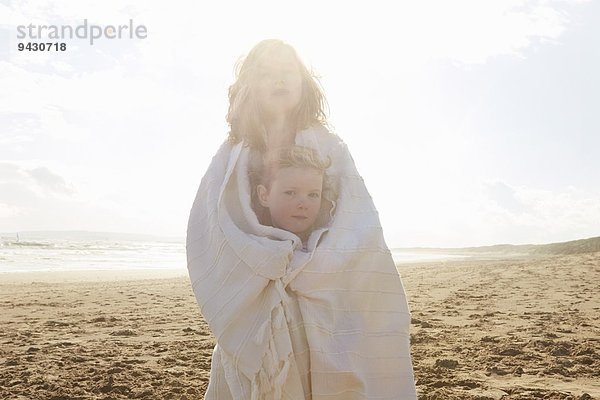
[328,324]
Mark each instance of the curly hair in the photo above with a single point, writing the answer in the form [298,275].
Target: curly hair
[294,157]
[244,117]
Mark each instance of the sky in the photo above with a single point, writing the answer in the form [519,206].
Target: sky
[472,123]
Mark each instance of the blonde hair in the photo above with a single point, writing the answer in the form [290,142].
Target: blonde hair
[295,157]
[244,117]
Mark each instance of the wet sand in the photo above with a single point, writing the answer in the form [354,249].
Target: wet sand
[521,328]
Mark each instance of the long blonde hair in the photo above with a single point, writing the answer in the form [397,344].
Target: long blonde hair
[244,117]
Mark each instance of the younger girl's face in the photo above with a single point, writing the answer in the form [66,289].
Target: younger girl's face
[278,83]
[294,199]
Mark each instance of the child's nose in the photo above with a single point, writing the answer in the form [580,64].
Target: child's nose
[302,203]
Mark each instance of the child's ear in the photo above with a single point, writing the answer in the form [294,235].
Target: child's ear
[262,192]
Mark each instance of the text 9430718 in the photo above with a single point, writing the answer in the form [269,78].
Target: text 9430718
[42,46]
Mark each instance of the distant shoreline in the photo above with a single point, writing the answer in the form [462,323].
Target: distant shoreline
[569,247]
[88,235]
[589,245]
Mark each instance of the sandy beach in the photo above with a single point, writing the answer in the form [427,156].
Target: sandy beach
[518,328]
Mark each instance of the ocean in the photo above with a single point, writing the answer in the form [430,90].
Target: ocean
[86,251]
[89,251]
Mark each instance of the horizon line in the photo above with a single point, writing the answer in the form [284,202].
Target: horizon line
[153,235]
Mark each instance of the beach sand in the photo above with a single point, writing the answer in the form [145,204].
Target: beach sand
[520,328]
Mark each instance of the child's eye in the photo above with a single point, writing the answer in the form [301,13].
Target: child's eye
[289,192]
[315,195]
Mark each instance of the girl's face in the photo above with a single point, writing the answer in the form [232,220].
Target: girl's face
[278,83]
[294,199]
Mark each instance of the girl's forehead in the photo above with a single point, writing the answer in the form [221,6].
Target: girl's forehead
[278,57]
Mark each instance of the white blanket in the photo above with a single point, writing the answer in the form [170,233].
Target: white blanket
[331,323]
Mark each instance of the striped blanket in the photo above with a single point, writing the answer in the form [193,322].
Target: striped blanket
[328,323]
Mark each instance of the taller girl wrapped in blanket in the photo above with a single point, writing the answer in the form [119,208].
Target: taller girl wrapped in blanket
[315,313]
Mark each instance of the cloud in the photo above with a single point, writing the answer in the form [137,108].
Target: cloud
[50,181]
[50,121]
[36,197]
[463,31]
[530,214]
[472,32]
[20,185]
[505,197]
[458,214]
